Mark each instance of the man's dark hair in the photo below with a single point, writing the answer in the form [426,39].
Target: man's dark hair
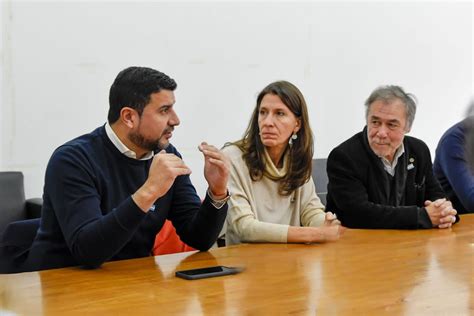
[133,87]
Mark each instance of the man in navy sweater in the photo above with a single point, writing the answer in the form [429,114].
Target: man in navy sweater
[108,193]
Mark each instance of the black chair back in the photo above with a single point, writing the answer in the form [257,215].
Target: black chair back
[320,178]
[12,198]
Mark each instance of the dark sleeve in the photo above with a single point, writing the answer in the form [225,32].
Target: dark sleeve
[452,159]
[197,224]
[424,220]
[433,189]
[92,237]
[350,195]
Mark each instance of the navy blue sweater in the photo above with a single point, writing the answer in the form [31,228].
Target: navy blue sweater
[452,168]
[89,217]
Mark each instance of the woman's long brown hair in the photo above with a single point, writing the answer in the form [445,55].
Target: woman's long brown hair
[301,152]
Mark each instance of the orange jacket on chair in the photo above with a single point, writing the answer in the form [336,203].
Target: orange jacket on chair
[167,241]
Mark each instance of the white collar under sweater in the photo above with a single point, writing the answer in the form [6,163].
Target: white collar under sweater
[121,146]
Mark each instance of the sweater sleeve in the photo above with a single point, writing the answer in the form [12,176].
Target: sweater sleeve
[241,218]
[457,170]
[92,237]
[312,212]
[349,193]
[247,227]
[197,224]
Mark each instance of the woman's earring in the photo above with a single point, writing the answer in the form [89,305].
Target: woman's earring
[292,138]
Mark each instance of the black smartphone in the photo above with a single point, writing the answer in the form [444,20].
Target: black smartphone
[208,272]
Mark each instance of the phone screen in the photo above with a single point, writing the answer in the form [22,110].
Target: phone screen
[207,272]
[203,270]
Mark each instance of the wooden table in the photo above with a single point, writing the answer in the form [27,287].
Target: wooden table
[424,272]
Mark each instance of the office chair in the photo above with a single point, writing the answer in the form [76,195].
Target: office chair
[15,244]
[13,206]
[320,178]
[19,221]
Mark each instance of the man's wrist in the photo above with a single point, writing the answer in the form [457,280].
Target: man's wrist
[219,195]
[144,198]
[218,201]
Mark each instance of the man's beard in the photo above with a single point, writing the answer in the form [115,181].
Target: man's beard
[148,144]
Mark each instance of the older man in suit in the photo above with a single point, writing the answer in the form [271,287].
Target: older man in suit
[380,178]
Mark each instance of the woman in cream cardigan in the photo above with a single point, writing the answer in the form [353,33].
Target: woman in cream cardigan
[273,195]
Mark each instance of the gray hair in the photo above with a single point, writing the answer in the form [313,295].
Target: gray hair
[469,135]
[390,93]
[470,108]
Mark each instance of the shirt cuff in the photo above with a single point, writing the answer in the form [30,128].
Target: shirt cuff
[218,204]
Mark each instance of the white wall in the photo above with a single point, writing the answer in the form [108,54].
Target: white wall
[1,81]
[63,57]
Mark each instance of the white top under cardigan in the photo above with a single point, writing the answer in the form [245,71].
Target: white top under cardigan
[258,213]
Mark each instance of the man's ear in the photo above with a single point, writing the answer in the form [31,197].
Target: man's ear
[129,117]
[407,128]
